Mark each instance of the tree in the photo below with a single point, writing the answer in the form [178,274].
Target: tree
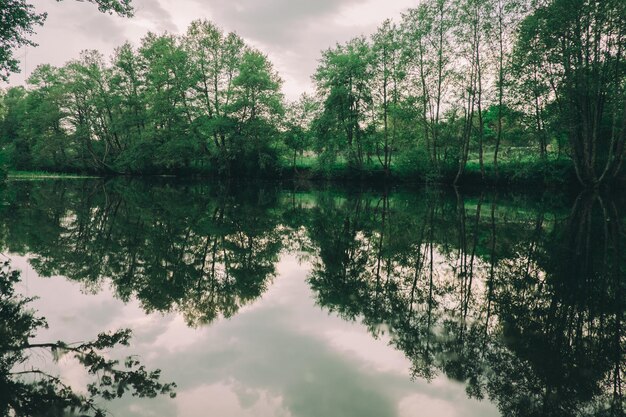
[216,59]
[91,111]
[204,102]
[427,32]
[168,77]
[18,146]
[44,106]
[505,18]
[532,83]
[583,44]
[343,85]
[18,20]
[127,86]
[257,108]
[388,70]
[298,132]
[471,33]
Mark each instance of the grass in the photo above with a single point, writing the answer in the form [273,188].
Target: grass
[529,171]
[33,175]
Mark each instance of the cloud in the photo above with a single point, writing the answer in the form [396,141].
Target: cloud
[275,22]
[154,14]
[294,32]
[291,32]
[84,21]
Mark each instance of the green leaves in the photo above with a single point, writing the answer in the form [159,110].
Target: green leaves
[343,81]
[200,102]
[573,52]
[18,21]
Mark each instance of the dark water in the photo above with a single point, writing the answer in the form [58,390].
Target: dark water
[259,300]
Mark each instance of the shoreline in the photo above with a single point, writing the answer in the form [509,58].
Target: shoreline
[556,174]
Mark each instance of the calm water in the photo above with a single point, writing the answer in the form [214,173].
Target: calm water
[262,301]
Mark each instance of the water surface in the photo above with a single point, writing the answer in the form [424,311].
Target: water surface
[269,300]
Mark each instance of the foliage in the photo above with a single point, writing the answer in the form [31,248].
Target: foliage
[203,102]
[18,20]
[463,79]
[452,85]
[583,65]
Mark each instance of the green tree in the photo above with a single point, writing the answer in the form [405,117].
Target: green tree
[257,107]
[216,59]
[428,46]
[91,112]
[343,83]
[18,20]
[388,70]
[128,102]
[298,134]
[583,63]
[471,33]
[168,73]
[505,19]
[17,144]
[45,113]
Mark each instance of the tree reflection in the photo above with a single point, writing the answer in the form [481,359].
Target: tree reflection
[524,306]
[200,250]
[563,317]
[518,298]
[27,390]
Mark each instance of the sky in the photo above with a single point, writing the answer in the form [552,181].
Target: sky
[291,32]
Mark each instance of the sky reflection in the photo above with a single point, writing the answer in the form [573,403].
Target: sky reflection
[279,356]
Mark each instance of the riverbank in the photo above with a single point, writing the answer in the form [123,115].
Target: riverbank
[31,175]
[530,173]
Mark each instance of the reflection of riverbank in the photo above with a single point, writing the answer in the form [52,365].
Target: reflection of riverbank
[517,297]
[282,355]
[512,311]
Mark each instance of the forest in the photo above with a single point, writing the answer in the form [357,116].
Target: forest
[491,91]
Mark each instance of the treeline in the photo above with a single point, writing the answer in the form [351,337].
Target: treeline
[455,89]
[455,84]
[175,103]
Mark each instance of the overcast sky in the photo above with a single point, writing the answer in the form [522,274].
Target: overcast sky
[291,32]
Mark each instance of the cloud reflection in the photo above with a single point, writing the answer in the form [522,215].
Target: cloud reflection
[283,356]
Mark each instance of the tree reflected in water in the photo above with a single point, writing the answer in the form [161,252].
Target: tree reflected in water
[28,390]
[203,252]
[522,303]
[520,298]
